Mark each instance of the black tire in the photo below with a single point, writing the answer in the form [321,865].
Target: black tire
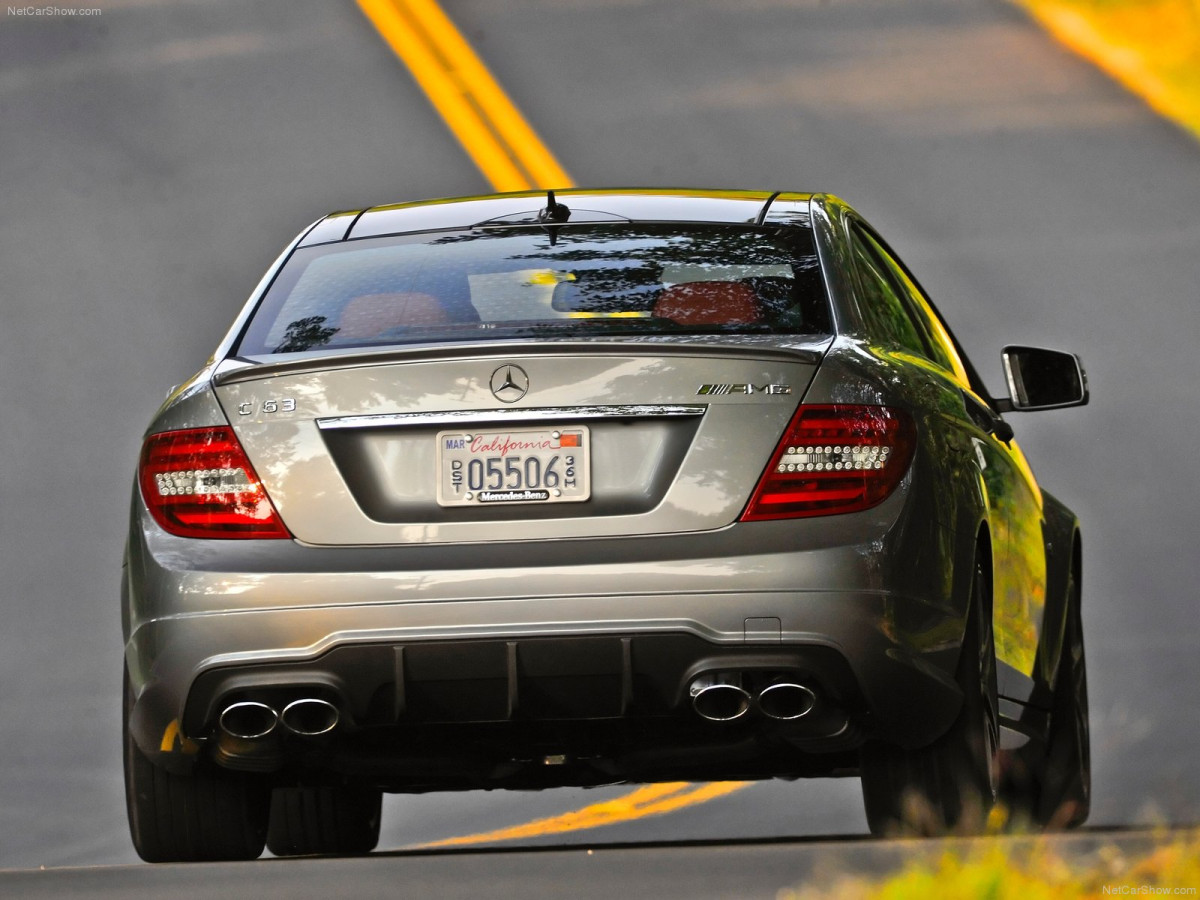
[1050,786]
[212,814]
[324,820]
[951,785]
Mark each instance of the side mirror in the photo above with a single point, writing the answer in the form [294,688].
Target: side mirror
[1044,379]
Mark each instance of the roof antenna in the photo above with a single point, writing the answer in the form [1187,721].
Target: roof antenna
[553,215]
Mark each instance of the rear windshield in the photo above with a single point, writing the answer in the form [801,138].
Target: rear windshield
[567,281]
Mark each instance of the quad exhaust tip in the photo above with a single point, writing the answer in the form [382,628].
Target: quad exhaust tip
[721,697]
[719,701]
[248,720]
[786,701]
[310,717]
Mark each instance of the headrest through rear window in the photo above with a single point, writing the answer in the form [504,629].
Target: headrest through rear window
[372,314]
[709,303]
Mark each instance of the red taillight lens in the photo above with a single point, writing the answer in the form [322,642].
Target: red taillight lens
[199,483]
[834,459]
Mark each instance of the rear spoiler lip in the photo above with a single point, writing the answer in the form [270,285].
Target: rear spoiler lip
[808,349]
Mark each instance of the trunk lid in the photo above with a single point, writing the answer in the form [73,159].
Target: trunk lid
[660,436]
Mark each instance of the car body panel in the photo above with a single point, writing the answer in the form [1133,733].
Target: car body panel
[1007,485]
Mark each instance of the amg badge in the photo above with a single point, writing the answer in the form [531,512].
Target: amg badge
[745,389]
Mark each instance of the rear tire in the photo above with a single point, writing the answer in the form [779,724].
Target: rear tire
[950,785]
[324,820]
[209,815]
[1050,786]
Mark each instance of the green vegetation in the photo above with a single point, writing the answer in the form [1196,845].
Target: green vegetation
[1150,46]
[1025,869]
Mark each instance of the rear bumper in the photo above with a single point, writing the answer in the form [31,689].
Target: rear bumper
[526,634]
[635,665]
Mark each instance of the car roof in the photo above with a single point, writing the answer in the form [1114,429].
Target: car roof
[611,205]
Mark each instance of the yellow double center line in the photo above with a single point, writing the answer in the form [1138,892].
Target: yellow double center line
[511,156]
[651,800]
[491,129]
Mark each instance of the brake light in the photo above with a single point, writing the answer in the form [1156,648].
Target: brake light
[199,483]
[834,459]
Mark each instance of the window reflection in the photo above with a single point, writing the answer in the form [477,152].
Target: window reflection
[513,282]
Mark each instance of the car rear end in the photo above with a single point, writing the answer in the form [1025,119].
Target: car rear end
[519,504]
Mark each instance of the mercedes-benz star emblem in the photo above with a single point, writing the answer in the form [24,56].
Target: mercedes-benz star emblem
[509,383]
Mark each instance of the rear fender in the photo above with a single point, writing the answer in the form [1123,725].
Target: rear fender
[191,405]
[1062,547]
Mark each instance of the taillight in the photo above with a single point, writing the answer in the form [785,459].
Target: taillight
[834,459]
[199,483]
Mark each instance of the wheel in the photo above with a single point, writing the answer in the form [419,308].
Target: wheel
[212,814]
[341,820]
[950,785]
[1050,786]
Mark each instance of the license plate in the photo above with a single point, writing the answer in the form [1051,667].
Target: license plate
[521,465]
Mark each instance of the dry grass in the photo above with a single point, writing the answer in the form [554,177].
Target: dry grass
[1027,870]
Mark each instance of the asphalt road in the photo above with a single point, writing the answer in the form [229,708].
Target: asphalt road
[155,158]
[738,870]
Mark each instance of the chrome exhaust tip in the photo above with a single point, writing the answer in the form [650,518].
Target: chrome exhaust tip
[310,716]
[719,701]
[248,720]
[786,701]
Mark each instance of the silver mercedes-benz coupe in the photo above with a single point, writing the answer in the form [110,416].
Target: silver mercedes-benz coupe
[525,491]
